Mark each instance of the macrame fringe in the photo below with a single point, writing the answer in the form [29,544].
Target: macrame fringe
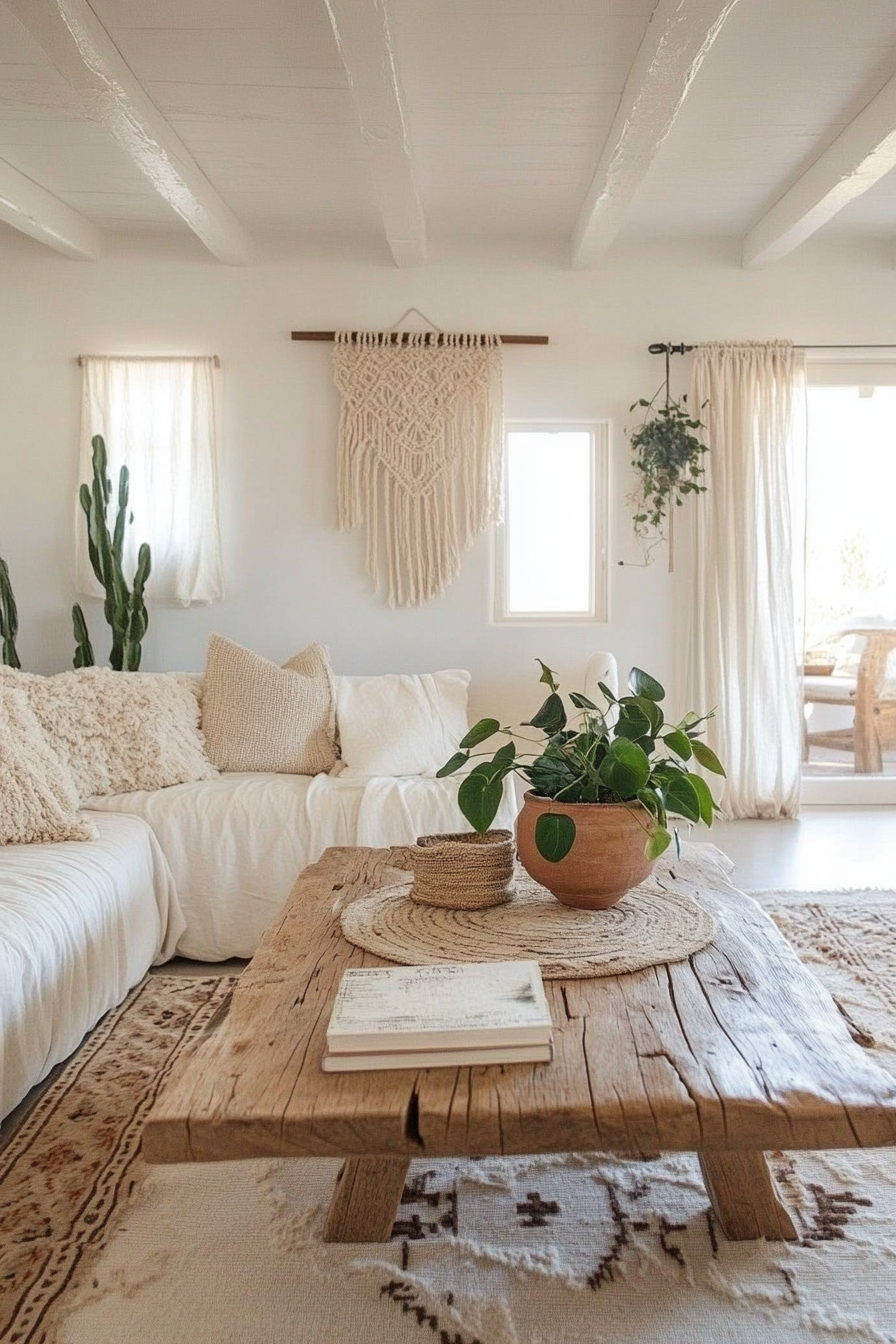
[419,455]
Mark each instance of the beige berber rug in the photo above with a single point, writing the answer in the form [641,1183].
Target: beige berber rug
[96,1249]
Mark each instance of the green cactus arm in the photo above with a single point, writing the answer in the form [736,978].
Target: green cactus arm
[121,517]
[84,656]
[100,467]
[9,620]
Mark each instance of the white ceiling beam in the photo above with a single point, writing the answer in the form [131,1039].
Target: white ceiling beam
[85,55]
[678,38]
[33,210]
[863,153]
[361,29]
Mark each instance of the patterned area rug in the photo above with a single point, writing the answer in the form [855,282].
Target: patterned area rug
[95,1248]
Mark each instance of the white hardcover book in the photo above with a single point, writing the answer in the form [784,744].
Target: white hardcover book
[448,1005]
[439,1059]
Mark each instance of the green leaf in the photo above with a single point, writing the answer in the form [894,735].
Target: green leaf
[680,743]
[479,798]
[582,702]
[650,801]
[658,841]
[681,797]
[641,683]
[648,707]
[551,718]
[554,835]
[707,804]
[607,693]
[457,760]
[707,758]
[632,723]
[479,732]
[547,675]
[505,755]
[625,769]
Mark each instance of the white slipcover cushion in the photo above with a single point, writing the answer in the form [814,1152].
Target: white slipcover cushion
[400,724]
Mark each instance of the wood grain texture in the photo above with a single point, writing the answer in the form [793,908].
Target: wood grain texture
[738,1048]
[368,1192]
[743,1197]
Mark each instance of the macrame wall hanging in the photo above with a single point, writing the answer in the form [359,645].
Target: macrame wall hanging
[420,450]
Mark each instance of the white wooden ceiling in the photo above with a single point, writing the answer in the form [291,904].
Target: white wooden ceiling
[420,123]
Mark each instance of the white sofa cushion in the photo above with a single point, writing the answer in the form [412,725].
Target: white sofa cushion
[38,797]
[79,926]
[258,716]
[117,731]
[400,724]
[236,844]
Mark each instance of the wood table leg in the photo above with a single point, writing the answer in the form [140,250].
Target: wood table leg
[744,1198]
[365,1201]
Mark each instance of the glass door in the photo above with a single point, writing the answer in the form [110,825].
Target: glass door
[849,681]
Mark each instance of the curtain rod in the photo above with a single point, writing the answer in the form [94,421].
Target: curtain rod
[147,359]
[398,337]
[665,348]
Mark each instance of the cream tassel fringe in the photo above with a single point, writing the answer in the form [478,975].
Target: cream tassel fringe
[420,449]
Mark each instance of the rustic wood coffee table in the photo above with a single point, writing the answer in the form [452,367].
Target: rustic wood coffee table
[735,1051]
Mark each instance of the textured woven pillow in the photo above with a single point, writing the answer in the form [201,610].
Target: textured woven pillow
[400,724]
[258,716]
[38,798]
[118,732]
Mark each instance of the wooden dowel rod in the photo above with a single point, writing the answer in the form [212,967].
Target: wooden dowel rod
[399,336]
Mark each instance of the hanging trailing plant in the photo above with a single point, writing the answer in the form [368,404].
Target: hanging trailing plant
[667,454]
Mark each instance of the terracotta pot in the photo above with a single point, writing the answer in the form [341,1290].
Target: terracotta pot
[607,855]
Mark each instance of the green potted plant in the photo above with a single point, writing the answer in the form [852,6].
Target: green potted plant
[596,816]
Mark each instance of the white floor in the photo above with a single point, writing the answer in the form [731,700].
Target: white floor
[825,849]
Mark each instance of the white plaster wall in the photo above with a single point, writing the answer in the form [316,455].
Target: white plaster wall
[291,576]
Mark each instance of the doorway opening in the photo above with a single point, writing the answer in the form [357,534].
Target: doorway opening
[849,660]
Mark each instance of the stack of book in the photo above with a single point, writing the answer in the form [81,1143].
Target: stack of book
[422,1017]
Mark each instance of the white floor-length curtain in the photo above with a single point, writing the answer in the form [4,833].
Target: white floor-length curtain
[742,656]
[158,418]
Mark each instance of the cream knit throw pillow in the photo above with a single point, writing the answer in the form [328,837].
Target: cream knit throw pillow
[118,732]
[258,716]
[38,797]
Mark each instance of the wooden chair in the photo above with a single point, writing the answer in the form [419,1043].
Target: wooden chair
[874,723]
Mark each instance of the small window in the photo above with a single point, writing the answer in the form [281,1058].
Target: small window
[550,552]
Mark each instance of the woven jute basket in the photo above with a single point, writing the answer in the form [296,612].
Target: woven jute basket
[463,870]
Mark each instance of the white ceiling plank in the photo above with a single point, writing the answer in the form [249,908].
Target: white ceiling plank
[678,38]
[365,45]
[32,210]
[863,153]
[84,54]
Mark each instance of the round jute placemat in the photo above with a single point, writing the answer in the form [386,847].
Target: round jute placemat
[644,929]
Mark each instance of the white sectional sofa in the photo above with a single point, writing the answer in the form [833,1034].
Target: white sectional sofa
[235,845]
[197,868]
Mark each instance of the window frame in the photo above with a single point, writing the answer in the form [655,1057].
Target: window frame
[599,431]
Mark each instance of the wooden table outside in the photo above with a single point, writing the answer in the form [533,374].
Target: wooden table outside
[732,1052]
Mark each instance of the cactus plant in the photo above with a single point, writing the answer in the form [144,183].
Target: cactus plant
[83,647]
[124,608]
[9,620]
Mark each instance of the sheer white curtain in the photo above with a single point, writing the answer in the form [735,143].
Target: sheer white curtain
[158,418]
[742,656]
